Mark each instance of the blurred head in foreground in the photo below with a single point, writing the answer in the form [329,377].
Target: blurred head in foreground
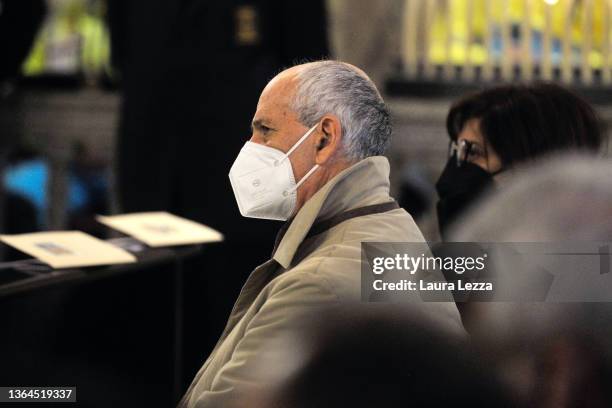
[553,354]
[494,130]
[566,198]
[381,356]
[550,354]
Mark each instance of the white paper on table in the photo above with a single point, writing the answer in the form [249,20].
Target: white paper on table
[158,229]
[68,249]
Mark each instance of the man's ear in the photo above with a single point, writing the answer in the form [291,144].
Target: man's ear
[328,139]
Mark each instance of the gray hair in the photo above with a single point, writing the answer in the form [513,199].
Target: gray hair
[333,87]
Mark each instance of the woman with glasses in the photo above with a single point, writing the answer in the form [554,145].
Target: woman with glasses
[493,130]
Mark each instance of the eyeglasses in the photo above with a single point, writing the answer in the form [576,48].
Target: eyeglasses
[461,150]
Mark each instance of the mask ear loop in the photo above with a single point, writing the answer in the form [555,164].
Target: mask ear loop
[296,145]
[314,168]
[302,180]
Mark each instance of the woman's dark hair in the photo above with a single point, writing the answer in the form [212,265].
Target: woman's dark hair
[521,122]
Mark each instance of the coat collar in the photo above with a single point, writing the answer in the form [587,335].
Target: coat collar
[364,183]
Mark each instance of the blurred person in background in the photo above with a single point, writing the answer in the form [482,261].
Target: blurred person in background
[27,175]
[494,130]
[376,356]
[553,354]
[315,161]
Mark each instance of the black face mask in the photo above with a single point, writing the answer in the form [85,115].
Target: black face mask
[458,187]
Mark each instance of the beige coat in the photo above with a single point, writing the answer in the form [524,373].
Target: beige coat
[303,275]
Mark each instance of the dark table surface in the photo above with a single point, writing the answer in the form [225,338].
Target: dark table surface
[30,274]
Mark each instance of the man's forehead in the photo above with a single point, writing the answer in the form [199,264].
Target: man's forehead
[285,77]
[277,94]
[281,86]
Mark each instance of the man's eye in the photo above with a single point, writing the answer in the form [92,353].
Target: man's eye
[264,129]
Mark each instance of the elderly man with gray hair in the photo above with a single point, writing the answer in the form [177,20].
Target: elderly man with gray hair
[315,161]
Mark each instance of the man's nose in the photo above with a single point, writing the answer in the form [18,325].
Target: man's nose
[255,138]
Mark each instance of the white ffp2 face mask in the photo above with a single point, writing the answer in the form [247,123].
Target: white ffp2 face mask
[263,181]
